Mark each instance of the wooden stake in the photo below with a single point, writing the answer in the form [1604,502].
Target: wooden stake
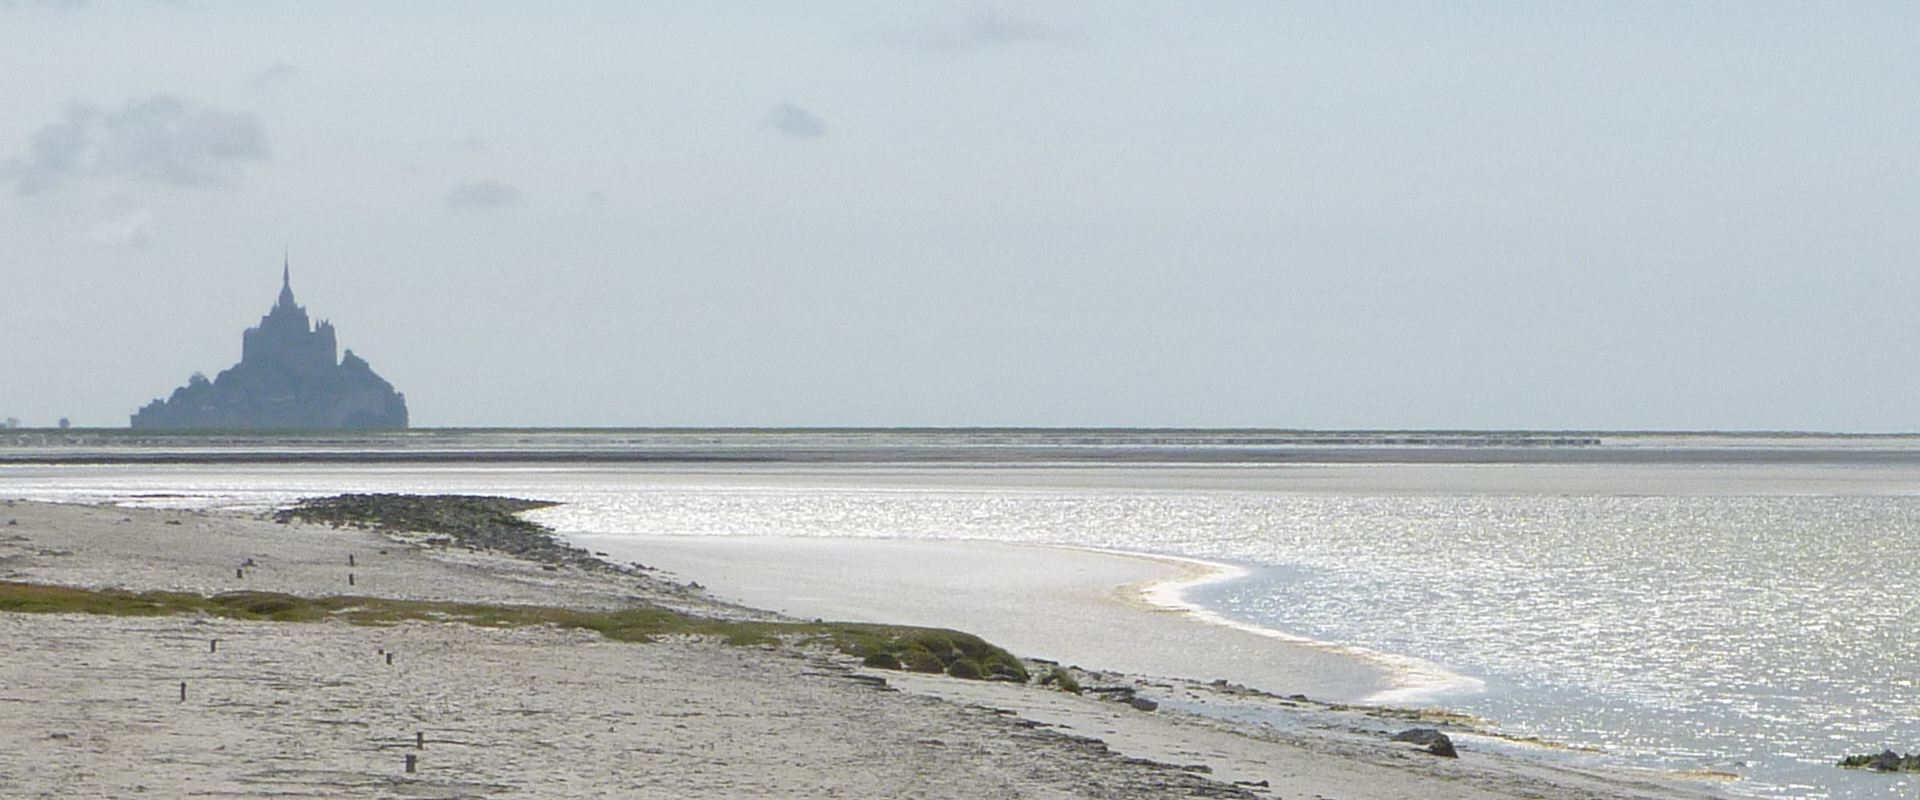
[239,573]
[349,559]
[183,691]
[389,659]
[419,740]
[412,761]
[213,645]
[349,579]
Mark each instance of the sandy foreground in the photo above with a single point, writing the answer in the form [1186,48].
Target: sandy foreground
[91,706]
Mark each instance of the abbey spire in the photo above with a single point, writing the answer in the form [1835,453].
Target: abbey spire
[286,282]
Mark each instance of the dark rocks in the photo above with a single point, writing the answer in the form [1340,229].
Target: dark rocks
[1884,761]
[479,523]
[873,681]
[1123,694]
[1434,741]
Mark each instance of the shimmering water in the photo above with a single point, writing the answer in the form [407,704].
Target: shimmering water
[1738,618]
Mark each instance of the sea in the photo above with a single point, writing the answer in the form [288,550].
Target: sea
[1738,604]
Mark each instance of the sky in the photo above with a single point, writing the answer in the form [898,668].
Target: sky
[1608,215]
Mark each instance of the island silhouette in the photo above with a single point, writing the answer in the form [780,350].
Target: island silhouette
[287,378]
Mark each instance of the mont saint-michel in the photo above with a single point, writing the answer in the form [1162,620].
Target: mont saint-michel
[288,377]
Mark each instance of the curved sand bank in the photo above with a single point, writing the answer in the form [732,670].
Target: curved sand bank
[1100,609]
[1411,681]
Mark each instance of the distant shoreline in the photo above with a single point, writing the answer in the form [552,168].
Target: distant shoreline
[1057,457]
[946,446]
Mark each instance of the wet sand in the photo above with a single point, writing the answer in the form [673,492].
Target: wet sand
[1073,606]
[93,705]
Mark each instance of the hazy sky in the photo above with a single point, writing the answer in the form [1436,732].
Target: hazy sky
[1334,215]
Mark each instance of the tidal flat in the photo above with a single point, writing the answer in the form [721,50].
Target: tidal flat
[201,702]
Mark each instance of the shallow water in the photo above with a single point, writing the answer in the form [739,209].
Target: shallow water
[1744,618]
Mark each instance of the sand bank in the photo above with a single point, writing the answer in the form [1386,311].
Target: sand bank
[1085,607]
[313,709]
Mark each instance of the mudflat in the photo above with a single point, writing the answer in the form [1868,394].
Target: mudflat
[94,704]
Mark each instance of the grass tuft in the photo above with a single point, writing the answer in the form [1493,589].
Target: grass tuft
[1062,679]
[881,661]
[922,649]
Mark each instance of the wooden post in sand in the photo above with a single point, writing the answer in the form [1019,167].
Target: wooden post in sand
[213,645]
[389,659]
[183,691]
[412,761]
[239,572]
[349,559]
[349,579]
[419,740]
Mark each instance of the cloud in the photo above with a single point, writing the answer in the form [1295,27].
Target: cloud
[160,139]
[134,229]
[275,74]
[980,25]
[168,140]
[54,155]
[796,122]
[475,195]
[56,6]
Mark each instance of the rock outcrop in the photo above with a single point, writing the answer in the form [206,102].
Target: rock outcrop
[1434,741]
[1884,761]
[287,378]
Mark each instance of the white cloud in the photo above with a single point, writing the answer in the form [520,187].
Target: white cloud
[55,6]
[275,74]
[55,154]
[981,25]
[159,139]
[133,229]
[796,122]
[477,195]
[168,140]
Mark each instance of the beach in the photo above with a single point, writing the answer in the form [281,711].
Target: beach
[94,703]
[1087,607]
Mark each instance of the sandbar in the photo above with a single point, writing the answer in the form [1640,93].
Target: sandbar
[1075,606]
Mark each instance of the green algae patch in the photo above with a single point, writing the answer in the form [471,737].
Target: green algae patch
[1061,679]
[34,598]
[958,654]
[962,655]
